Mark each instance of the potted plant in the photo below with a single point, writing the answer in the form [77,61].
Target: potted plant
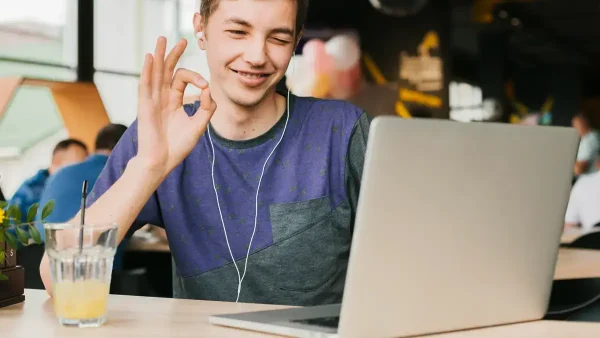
[14,232]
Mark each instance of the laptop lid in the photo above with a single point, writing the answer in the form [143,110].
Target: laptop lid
[458,226]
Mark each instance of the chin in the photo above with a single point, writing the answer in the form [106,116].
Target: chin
[247,98]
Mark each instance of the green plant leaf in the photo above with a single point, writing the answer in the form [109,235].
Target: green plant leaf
[2,256]
[33,209]
[47,210]
[3,204]
[15,213]
[11,240]
[1,235]
[22,235]
[35,234]
[3,276]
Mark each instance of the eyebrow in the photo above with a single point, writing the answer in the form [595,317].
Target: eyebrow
[242,22]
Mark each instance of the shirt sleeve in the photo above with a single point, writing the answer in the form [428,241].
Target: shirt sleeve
[586,151]
[355,160]
[573,214]
[124,151]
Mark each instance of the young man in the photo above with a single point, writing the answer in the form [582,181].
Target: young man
[65,152]
[282,187]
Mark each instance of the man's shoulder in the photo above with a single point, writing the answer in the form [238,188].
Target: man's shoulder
[330,106]
[83,169]
[34,182]
[326,111]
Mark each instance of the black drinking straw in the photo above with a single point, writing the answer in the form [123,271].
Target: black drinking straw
[83,198]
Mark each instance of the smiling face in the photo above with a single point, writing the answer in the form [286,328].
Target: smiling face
[249,44]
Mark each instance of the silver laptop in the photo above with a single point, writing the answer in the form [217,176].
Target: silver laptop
[458,227]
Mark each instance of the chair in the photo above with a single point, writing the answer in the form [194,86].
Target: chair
[573,298]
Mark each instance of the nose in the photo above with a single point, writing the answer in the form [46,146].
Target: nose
[256,53]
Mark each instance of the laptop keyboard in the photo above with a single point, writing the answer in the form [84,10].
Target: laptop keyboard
[331,322]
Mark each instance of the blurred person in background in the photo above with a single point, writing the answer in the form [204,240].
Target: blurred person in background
[588,146]
[65,186]
[584,204]
[66,152]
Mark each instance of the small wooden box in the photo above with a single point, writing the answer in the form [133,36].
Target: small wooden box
[10,260]
[12,290]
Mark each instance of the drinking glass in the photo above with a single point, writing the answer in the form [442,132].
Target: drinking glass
[81,260]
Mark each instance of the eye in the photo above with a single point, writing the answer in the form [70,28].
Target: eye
[281,41]
[236,32]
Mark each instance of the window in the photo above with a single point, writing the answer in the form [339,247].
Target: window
[40,31]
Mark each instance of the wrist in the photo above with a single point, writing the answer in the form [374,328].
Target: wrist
[149,174]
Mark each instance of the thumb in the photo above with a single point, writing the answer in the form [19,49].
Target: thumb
[205,111]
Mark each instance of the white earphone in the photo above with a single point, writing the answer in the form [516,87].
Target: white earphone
[199,35]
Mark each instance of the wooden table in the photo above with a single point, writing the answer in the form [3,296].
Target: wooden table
[577,263]
[143,317]
[571,234]
[160,317]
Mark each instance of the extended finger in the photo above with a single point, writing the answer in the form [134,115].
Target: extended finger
[144,91]
[182,78]
[158,68]
[171,61]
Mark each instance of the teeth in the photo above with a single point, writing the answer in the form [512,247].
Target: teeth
[249,76]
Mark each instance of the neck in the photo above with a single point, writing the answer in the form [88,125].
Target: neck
[105,152]
[239,123]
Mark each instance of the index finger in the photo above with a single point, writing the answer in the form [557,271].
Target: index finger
[171,61]
[182,78]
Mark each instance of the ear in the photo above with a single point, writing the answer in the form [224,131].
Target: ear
[199,26]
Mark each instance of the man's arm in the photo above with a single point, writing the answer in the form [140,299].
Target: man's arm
[165,135]
[581,167]
[121,204]
[355,160]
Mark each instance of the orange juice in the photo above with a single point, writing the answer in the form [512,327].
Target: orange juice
[81,299]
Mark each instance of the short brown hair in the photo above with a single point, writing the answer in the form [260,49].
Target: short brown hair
[66,144]
[207,7]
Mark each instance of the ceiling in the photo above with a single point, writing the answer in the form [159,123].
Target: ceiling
[539,33]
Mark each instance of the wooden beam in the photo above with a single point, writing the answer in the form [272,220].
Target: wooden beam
[8,89]
[82,110]
[79,105]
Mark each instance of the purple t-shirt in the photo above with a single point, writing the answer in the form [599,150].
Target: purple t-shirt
[306,207]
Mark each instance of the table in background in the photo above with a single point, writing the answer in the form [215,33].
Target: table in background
[570,234]
[577,263]
[159,317]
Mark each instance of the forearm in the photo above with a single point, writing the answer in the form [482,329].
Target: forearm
[120,205]
[580,167]
[124,200]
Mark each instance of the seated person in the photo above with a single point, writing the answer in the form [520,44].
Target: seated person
[66,152]
[258,205]
[584,204]
[64,187]
[588,146]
